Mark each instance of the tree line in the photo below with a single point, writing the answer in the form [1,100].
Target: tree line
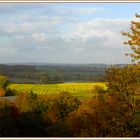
[52,74]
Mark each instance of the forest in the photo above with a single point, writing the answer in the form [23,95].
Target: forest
[111,110]
[54,73]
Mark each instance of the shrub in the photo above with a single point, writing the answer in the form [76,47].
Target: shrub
[3,82]
[64,103]
[7,120]
[99,89]
[10,92]
[31,102]
[30,124]
[42,104]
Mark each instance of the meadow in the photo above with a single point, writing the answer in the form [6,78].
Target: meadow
[76,89]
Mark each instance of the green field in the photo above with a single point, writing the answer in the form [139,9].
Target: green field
[76,89]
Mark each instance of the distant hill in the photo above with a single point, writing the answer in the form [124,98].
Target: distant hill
[54,72]
[65,64]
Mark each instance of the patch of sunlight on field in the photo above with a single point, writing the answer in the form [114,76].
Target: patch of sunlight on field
[76,89]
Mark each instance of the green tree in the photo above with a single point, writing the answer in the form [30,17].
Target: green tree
[3,82]
[3,85]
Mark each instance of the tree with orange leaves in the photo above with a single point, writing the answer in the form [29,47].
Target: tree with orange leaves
[134,39]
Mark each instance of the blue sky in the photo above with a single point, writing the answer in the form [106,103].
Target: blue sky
[65,32]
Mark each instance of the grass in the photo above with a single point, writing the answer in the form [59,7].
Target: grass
[76,89]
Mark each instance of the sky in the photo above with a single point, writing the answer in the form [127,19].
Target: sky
[65,32]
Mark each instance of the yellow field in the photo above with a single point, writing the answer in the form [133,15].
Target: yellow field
[77,89]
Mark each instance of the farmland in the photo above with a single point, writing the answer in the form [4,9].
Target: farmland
[76,89]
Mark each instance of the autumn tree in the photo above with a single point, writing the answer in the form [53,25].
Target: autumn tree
[64,103]
[134,44]
[134,39]
[3,82]
[3,85]
[122,82]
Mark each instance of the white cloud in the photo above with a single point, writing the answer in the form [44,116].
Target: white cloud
[14,29]
[98,28]
[70,11]
[98,34]
[39,37]
[90,10]
[68,31]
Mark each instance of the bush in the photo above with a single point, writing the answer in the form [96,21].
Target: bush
[64,103]
[7,120]
[42,104]
[99,89]
[31,102]
[30,124]
[10,92]
[3,82]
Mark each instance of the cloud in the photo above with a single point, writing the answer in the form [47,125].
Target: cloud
[70,11]
[15,8]
[98,28]
[98,37]
[39,37]
[99,33]
[60,33]
[6,9]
